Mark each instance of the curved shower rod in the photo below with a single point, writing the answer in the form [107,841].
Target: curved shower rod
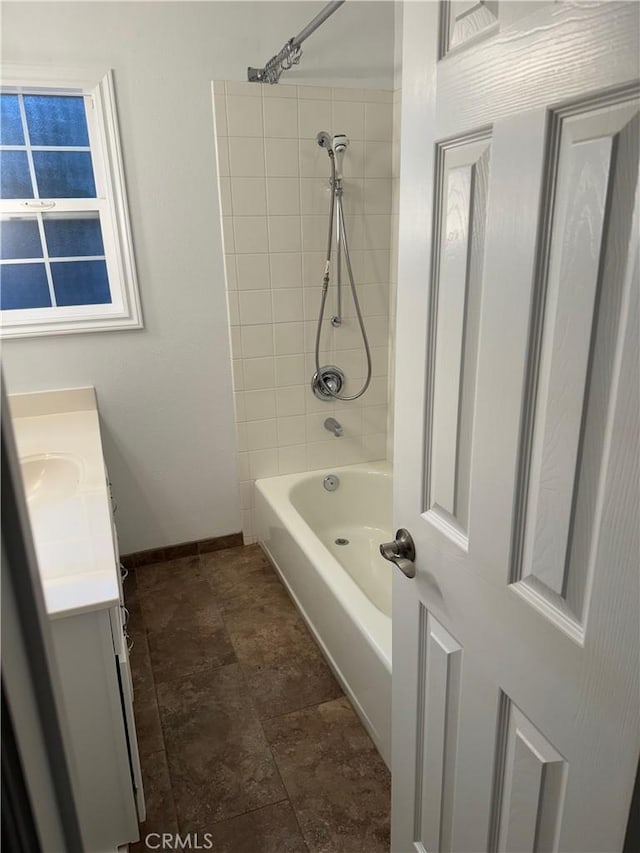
[290,54]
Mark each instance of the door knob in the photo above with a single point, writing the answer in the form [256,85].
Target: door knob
[401,551]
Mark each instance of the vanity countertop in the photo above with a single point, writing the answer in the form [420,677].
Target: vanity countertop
[58,438]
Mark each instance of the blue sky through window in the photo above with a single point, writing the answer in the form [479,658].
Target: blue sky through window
[45,154]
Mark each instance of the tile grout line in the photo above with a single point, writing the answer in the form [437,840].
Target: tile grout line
[251,811]
[311,705]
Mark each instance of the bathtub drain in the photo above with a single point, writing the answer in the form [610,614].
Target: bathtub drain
[341,541]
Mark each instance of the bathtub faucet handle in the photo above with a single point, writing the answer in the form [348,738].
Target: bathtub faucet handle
[333,426]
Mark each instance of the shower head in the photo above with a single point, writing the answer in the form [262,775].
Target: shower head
[339,144]
[336,145]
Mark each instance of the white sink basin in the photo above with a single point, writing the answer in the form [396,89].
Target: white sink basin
[50,477]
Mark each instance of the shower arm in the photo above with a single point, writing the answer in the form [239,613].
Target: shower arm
[290,54]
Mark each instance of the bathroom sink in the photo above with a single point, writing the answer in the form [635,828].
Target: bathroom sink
[50,477]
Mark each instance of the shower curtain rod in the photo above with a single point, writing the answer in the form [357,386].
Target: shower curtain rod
[290,54]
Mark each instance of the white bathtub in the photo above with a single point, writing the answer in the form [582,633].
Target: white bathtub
[342,591]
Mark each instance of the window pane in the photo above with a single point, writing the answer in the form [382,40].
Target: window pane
[10,122]
[56,120]
[23,286]
[64,174]
[20,238]
[73,235]
[81,283]
[15,181]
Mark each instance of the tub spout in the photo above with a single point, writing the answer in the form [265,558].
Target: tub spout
[333,426]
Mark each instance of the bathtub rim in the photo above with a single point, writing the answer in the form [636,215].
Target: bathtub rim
[375,625]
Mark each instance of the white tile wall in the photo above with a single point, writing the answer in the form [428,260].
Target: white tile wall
[274,198]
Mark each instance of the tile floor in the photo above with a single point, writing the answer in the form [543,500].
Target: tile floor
[243,730]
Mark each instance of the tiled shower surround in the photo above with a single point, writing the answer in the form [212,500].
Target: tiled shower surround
[274,196]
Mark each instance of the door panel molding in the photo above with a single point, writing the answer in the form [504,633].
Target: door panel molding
[439,692]
[589,196]
[460,211]
[465,21]
[530,780]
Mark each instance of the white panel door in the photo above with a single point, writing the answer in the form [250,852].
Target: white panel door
[516,646]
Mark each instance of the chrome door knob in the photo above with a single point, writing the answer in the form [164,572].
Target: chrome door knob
[401,551]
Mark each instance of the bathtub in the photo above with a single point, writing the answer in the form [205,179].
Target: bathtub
[343,591]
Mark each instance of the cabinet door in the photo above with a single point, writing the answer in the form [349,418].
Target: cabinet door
[126,696]
[134,757]
[99,758]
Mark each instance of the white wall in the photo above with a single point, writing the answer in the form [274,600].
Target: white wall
[165,392]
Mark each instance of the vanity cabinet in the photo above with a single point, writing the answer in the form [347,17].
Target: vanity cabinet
[97,696]
[93,660]
[74,534]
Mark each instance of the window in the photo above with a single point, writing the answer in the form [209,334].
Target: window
[66,257]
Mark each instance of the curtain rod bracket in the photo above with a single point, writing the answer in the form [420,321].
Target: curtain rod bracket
[291,53]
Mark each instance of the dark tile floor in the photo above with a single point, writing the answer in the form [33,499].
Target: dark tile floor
[243,731]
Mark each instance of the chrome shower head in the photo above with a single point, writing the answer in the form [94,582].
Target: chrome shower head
[324,140]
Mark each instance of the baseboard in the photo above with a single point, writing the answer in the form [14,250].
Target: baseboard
[183,549]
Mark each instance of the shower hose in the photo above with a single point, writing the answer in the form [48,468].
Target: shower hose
[325,286]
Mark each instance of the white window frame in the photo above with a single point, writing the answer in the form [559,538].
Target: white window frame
[124,311]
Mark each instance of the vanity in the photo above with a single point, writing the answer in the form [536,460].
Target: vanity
[69,502]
